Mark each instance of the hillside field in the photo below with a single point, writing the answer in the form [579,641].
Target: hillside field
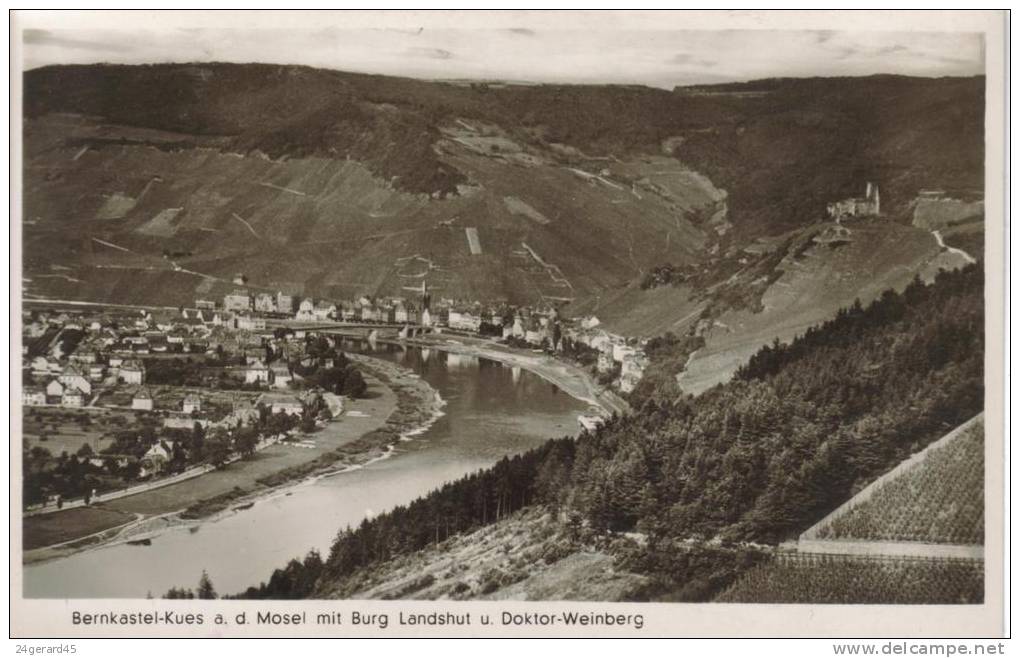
[158,184]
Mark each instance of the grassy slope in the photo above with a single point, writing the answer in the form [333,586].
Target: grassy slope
[813,287]
[368,150]
[49,529]
[342,236]
[525,557]
[782,153]
[804,289]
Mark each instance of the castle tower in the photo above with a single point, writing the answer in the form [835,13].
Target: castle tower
[871,197]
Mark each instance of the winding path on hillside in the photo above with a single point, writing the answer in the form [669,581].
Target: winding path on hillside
[953,250]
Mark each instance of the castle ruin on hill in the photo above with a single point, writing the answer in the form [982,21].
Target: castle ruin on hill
[865,206]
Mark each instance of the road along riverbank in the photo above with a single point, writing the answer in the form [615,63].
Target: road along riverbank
[398,404]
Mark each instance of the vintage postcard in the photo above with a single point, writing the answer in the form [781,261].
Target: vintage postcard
[569,323]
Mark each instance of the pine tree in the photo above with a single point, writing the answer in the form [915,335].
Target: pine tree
[205,587]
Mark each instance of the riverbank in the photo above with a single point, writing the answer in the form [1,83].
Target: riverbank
[568,377]
[399,404]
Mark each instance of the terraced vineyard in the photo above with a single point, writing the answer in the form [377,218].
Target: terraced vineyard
[940,500]
[846,579]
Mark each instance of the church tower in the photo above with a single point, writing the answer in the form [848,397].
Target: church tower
[426,298]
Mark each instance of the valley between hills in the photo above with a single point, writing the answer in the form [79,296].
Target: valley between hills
[796,353]
[159,185]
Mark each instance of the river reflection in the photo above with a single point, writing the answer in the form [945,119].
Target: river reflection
[491,411]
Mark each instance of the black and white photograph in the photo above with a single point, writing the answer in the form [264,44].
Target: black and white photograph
[599,307]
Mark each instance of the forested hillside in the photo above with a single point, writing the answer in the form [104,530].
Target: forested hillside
[782,148]
[800,429]
[158,184]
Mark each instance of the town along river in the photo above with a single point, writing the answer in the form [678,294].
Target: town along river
[491,411]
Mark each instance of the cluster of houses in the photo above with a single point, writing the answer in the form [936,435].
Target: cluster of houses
[614,351]
[103,349]
[111,346]
[106,349]
[244,412]
[540,328]
[70,358]
[72,385]
[112,353]
[255,371]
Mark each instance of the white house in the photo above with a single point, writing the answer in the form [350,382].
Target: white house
[142,400]
[160,450]
[324,311]
[132,372]
[256,372]
[369,313]
[265,302]
[284,303]
[464,321]
[281,402]
[238,300]
[306,310]
[72,398]
[155,459]
[280,374]
[40,365]
[518,327]
[250,323]
[83,357]
[32,396]
[349,312]
[182,421]
[73,377]
[54,389]
[192,403]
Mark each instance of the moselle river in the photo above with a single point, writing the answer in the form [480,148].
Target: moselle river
[491,411]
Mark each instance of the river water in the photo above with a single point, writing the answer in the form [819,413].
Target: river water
[491,411]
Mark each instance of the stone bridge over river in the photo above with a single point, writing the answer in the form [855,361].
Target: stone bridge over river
[358,329]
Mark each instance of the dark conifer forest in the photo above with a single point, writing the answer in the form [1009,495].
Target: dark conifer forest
[799,429]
